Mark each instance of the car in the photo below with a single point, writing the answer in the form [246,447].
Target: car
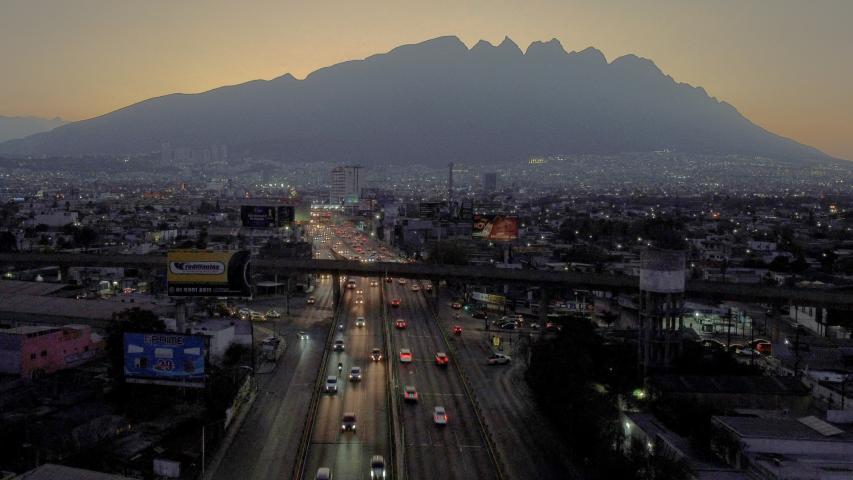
[257,316]
[331,384]
[348,423]
[374,283]
[713,344]
[359,292]
[481,315]
[323,473]
[401,281]
[441,359]
[395,302]
[311,301]
[400,324]
[339,345]
[428,287]
[359,322]
[553,327]
[534,326]
[456,306]
[416,287]
[748,352]
[389,280]
[764,348]
[355,374]
[508,326]
[302,335]
[439,416]
[359,300]
[350,284]
[273,314]
[405,355]
[410,393]
[457,330]
[376,354]
[498,359]
[377,467]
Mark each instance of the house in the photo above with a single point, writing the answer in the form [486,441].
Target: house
[32,351]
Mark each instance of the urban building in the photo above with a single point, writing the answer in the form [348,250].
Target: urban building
[345,185]
[490,182]
[33,351]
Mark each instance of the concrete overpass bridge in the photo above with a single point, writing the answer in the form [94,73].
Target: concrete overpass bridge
[550,281]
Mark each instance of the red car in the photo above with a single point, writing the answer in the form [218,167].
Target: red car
[401,324]
[456,306]
[441,359]
[457,330]
[395,302]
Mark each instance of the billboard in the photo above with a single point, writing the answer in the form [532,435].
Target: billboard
[488,298]
[273,216]
[495,227]
[208,273]
[164,359]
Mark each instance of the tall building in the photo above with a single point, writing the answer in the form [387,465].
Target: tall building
[490,181]
[345,185]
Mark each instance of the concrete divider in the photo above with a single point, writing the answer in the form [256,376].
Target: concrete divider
[397,433]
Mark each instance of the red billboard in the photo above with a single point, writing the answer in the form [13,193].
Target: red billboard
[495,227]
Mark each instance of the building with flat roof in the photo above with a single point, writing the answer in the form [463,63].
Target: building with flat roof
[345,185]
[33,351]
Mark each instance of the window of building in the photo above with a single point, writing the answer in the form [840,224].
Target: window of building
[44,353]
[32,356]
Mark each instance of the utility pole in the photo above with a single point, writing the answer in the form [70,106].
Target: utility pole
[729,330]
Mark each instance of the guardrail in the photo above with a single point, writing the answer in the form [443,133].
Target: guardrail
[463,377]
[308,426]
[397,433]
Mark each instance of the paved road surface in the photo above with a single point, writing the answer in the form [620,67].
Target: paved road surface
[266,444]
[524,439]
[433,452]
[348,454]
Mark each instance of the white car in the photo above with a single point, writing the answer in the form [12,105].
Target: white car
[377,467]
[401,281]
[355,374]
[416,287]
[359,322]
[273,314]
[439,416]
[498,359]
[323,473]
[331,384]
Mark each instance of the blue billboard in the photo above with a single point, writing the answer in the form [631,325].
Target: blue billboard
[164,358]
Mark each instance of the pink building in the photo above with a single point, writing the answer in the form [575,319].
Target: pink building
[33,351]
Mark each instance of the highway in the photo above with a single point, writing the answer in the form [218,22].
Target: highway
[348,454]
[527,444]
[457,450]
[265,446]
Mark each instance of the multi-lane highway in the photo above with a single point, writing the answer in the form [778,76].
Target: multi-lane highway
[348,454]
[458,449]
[265,446]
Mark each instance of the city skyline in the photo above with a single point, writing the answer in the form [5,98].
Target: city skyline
[740,53]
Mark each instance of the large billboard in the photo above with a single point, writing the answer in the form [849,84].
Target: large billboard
[495,227]
[208,273]
[164,359]
[488,298]
[272,216]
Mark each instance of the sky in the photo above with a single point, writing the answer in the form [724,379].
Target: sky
[785,64]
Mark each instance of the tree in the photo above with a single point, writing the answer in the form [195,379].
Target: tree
[8,242]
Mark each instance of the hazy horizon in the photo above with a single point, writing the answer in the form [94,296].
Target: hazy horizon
[743,53]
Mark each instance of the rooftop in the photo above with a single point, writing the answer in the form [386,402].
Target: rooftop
[766,385]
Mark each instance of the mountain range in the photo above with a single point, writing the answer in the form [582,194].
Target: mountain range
[20,127]
[434,102]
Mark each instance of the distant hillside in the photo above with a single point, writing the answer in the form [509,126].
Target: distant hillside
[20,127]
[431,103]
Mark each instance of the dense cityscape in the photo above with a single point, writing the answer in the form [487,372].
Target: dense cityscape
[315,240]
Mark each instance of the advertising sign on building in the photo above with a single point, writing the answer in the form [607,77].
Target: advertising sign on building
[272,216]
[488,298]
[495,227]
[208,273]
[164,359]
